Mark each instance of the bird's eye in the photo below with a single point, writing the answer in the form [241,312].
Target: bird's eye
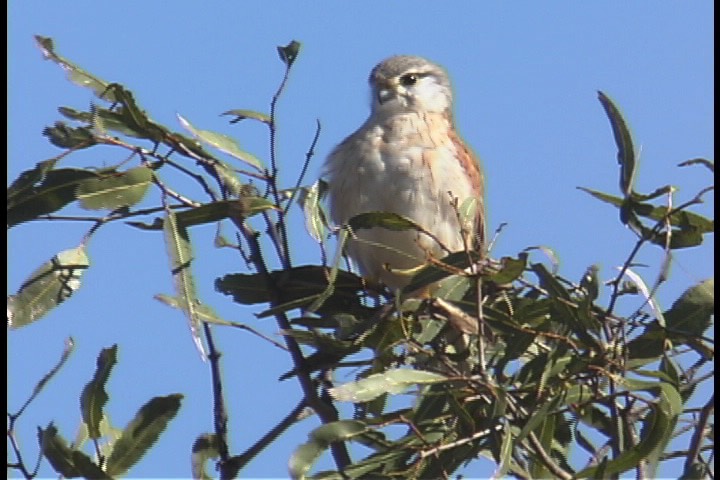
[409,79]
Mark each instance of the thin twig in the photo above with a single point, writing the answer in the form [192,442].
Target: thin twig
[308,156]
[172,193]
[13,417]
[220,415]
[273,178]
[698,435]
[250,329]
[547,461]
[457,443]
[288,421]
[198,178]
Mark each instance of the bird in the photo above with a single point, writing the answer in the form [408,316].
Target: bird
[407,159]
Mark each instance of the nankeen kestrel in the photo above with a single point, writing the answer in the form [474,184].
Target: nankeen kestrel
[407,158]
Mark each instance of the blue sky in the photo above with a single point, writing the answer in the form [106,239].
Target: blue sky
[525,77]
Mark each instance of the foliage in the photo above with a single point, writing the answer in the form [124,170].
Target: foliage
[511,361]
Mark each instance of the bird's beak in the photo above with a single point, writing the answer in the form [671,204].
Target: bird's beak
[386,91]
[384,94]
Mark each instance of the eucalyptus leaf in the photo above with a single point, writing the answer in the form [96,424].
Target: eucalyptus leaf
[315,221]
[115,190]
[142,432]
[75,74]
[387,220]
[392,381]
[29,178]
[240,114]
[52,190]
[181,257]
[682,218]
[320,439]
[47,287]
[94,397]
[692,313]
[66,461]
[623,140]
[223,143]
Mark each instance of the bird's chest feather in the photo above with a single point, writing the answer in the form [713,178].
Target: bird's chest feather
[411,165]
[406,166]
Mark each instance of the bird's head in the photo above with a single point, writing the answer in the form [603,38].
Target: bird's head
[405,83]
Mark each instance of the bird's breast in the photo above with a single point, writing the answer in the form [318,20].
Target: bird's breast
[409,166]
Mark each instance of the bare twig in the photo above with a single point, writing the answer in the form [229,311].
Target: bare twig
[220,415]
[13,417]
[547,461]
[172,193]
[289,420]
[273,178]
[306,163]
[457,443]
[198,178]
[699,433]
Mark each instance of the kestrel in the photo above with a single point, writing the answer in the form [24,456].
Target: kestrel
[407,158]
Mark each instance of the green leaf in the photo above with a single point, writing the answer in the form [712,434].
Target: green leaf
[510,269]
[545,435]
[223,143]
[115,190]
[320,439]
[682,218]
[111,119]
[387,220]
[55,189]
[205,448]
[435,272]
[29,178]
[505,456]
[641,287]
[67,462]
[243,114]
[204,312]
[699,161]
[134,117]
[302,282]
[94,397]
[309,199]
[691,314]
[561,312]
[142,432]
[47,287]
[76,75]
[623,140]
[181,257]
[63,136]
[392,381]
[288,54]
[128,119]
